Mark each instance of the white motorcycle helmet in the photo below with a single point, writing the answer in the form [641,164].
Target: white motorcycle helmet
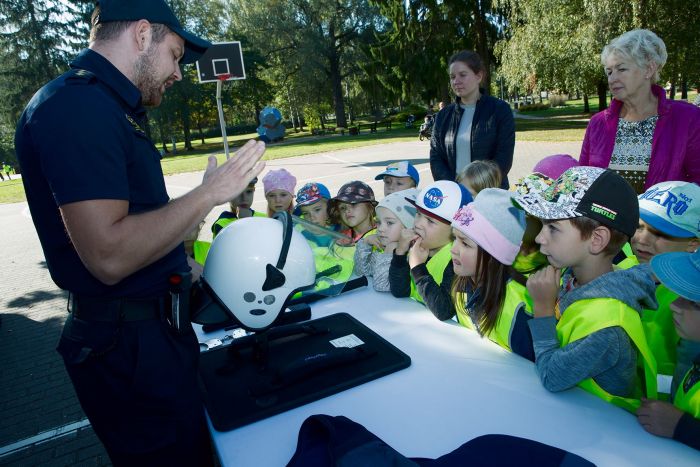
[255,265]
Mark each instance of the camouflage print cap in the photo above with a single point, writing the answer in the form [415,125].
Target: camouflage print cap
[599,194]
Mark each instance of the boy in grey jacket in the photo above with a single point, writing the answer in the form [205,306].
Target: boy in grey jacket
[587,329]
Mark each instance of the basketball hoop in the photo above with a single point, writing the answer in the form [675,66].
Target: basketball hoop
[220,63]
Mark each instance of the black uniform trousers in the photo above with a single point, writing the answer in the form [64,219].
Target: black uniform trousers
[137,383]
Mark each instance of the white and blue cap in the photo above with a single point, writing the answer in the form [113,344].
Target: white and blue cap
[400,169]
[672,208]
[442,199]
[679,272]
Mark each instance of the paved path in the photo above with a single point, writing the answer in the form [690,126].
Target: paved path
[37,401]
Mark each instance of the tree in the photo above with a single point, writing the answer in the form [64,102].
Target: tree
[556,44]
[33,50]
[421,37]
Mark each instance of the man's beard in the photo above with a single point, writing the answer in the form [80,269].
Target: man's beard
[145,78]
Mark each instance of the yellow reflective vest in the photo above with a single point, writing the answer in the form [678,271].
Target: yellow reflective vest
[326,258]
[200,249]
[688,401]
[222,222]
[660,332]
[585,317]
[436,268]
[517,300]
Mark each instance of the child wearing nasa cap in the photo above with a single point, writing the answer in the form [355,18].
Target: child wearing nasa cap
[679,272]
[669,221]
[399,176]
[422,266]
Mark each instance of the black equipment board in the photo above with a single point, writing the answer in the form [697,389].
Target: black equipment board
[264,374]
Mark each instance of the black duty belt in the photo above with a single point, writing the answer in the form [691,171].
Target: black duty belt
[116,310]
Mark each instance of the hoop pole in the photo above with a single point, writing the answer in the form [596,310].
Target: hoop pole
[222,122]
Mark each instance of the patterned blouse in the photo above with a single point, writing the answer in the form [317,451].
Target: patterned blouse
[632,152]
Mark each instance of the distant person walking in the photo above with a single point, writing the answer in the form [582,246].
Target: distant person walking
[475,126]
[643,136]
[7,168]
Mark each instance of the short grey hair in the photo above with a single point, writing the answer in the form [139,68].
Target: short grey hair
[639,45]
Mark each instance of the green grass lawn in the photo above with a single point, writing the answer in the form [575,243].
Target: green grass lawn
[289,148]
[12,191]
[550,129]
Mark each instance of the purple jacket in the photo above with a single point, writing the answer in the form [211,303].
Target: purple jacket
[675,148]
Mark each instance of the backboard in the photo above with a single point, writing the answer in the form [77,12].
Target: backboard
[222,61]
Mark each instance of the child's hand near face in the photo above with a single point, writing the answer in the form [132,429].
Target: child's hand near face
[373,240]
[417,254]
[659,418]
[404,243]
[543,287]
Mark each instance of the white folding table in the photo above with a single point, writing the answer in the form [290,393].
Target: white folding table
[458,387]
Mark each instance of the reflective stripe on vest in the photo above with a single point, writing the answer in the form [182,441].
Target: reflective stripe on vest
[627,263]
[688,402]
[436,268]
[516,299]
[200,249]
[585,317]
[223,222]
[660,332]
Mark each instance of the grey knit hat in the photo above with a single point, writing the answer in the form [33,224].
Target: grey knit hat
[397,203]
[494,223]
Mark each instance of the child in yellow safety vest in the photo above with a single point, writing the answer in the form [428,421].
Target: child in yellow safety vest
[373,253]
[421,267]
[313,206]
[488,234]
[399,176]
[240,208]
[586,329]
[680,272]
[279,187]
[669,221]
[353,207]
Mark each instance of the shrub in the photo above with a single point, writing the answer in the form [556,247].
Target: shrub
[532,107]
[557,100]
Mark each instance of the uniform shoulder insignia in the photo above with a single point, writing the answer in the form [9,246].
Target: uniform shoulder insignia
[80,76]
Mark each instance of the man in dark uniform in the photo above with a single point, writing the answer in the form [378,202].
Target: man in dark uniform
[111,236]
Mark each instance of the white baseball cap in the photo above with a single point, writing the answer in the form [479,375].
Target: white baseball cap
[672,208]
[442,199]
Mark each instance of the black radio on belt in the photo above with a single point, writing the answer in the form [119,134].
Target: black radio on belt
[180,284]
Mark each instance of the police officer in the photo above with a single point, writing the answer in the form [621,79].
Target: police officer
[111,236]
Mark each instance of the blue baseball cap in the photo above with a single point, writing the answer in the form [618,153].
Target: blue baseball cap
[155,11]
[312,192]
[400,169]
[672,208]
[679,272]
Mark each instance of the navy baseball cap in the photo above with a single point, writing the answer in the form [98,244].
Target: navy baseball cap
[155,11]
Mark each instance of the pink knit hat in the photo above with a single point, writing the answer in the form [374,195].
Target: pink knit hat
[279,179]
[554,166]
